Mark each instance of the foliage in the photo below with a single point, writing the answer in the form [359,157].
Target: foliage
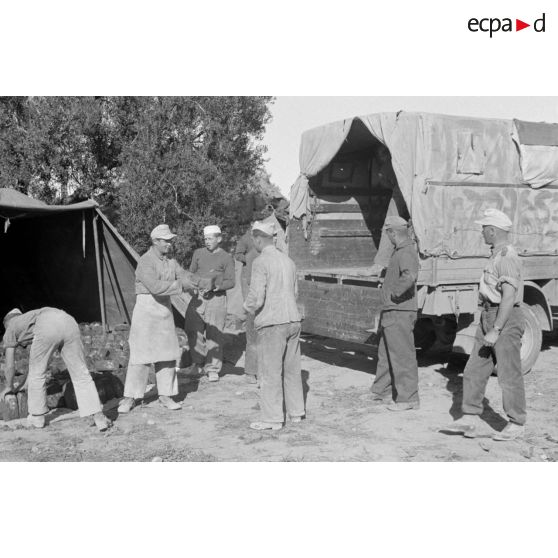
[186,161]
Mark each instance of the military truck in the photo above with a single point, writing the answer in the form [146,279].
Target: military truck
[443,172]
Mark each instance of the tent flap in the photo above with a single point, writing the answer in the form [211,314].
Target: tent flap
[317,149]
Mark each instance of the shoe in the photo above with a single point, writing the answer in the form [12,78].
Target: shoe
[466,425]
[101,422]
[295,420]
[266,426]
[511,431]
[168,403]
[251,379]
[126,405]
[38,421]
[379,400]
[213,377]
[407,406]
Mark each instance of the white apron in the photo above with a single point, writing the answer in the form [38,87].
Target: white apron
[152,334]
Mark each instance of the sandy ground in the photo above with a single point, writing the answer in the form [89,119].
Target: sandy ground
[341,423]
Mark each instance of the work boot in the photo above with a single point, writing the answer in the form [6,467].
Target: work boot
[169,403]
[101,421]
[213,377]
[38,421]
[466,425]
[407,406]
[295,420]
[126,405]
[512,431]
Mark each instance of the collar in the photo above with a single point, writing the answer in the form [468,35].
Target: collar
[216,251]
[406,242]
[268,248]
[161,257]
[498,248]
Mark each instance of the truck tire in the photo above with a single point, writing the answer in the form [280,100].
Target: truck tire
[532,338]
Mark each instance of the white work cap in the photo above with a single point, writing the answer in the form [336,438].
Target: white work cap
[266,228]
[211,229]
[495,218]
[162,231]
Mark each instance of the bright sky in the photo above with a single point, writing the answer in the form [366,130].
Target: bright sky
[293,115]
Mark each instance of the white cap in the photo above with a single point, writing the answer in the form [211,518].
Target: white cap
[266,228]
[496,218]
[162,231]
[211,229]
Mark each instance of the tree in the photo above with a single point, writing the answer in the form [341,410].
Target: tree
[191,160]
[187,161]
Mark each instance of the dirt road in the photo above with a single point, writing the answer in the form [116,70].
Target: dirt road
[341,423]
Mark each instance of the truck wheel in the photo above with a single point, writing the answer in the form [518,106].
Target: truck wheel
[532,339]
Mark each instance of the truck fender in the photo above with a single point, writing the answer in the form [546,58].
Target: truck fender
[534,296]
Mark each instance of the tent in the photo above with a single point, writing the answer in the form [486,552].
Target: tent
[448,169]
[66,256]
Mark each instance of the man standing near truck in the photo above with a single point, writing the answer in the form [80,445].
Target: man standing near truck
[397,370]
[272,301]
[498,337]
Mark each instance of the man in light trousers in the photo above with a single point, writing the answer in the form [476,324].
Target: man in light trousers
[153,339]
[272,298]
[48,329]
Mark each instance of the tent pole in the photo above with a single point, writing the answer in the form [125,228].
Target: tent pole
[99,277]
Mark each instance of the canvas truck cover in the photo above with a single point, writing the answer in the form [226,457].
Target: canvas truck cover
[449,170]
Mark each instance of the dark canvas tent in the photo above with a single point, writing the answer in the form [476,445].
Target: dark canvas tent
[68,257]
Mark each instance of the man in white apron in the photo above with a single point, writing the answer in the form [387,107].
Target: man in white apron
[153,338]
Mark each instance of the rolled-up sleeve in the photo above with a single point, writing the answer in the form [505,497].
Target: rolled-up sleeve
[508,270]
[256,296]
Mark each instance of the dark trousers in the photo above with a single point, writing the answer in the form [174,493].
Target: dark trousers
[506,353]
[251,355]
[279,372]
[397,371]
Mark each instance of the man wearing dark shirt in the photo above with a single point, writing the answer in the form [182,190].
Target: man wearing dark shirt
[207,310]
[397,372]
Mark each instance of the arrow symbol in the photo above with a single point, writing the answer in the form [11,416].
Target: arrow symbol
[519,25]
